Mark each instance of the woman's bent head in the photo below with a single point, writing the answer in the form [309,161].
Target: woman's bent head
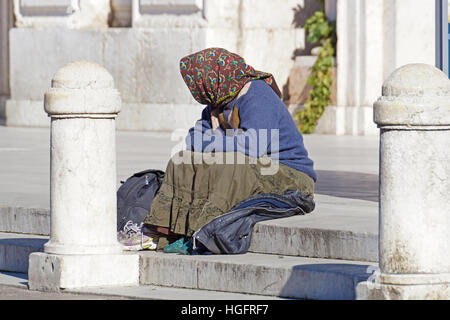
[215,76]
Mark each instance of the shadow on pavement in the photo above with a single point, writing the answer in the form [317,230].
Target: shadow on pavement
[327,281]
[345,184]
[18,275]
[31,243]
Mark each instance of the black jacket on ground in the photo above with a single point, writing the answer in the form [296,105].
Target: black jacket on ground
[231,233]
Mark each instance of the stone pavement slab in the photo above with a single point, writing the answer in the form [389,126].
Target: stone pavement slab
[346,205]
[344,224]
[13,286]
[347,166]
[339,228]
[252,273]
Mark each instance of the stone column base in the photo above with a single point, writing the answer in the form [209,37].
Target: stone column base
[51,272]
[367,290]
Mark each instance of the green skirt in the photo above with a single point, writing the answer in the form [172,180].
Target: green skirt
[198,187]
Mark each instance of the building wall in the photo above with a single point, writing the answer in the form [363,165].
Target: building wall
[141,42]
[448,11]
[6,22]
[374,38]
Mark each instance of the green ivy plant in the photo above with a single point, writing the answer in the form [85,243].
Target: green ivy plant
[318,29]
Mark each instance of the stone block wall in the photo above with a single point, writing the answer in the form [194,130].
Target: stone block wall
[374,38]
[140,42]
[297,88]
[6,22]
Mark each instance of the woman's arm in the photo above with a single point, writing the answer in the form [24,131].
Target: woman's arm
[258,113]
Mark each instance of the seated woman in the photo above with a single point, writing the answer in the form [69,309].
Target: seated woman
[245,144]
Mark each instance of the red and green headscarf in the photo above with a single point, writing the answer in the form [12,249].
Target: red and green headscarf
[215,76]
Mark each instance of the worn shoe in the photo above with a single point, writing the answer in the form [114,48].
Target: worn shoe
[133,239]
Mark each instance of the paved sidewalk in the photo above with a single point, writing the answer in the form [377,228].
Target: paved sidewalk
[17,293]
[13,286]
[347,166]
[347,186]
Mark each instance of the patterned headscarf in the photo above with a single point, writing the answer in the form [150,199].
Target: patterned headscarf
[215,76]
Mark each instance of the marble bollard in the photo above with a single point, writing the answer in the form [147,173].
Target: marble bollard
[83,250]
[413,115]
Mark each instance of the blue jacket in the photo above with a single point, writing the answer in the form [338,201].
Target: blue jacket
[260,112]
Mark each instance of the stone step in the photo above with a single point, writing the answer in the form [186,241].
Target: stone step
[15,249]
[25,220]
[338,228]
[253,273]
[20,280]
[166,293]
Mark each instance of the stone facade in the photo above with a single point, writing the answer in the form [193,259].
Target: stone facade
[140,42]
[374,38]
[296,89]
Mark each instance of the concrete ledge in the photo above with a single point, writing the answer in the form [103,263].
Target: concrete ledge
[337,229]
[50,272]
[317,235]
[15,249]
[252,273]
[19,280]
[302,241]
[165,293]
[25,220]
[265,274]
